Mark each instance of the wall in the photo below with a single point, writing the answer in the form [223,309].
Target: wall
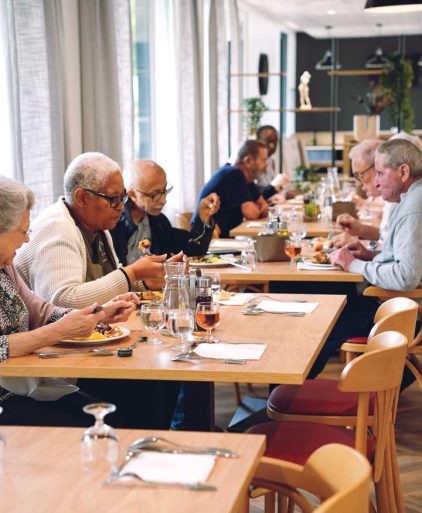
[353,53]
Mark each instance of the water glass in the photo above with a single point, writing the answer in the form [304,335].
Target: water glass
[208,317]
[215,283]
[153,318]
[249,256]
[180,323]
[99,443]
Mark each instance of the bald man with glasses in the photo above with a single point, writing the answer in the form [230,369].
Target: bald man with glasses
[142,217]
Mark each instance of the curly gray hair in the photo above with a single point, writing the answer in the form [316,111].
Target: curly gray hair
[15,199]
[88,171]
[401,151]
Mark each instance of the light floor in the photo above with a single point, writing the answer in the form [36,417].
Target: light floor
[408,435]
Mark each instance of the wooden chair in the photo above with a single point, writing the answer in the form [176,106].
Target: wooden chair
[377,372]
[338,475]
[414,347]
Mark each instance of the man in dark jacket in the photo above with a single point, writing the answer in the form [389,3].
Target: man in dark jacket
[147,187]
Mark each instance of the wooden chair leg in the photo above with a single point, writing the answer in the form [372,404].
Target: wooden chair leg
[381,495]
[410,364]
[237,395]
[269,501]
[398,489]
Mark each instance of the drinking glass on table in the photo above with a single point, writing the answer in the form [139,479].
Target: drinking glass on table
[180,323]
[297,230]
[99,443]
[215,283]
[153,317]
[293,248]
[208,317]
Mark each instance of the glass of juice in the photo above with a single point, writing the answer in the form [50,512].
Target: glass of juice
[208,317]
[293,248]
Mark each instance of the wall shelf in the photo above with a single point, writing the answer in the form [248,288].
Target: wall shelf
[281,74]
[304,111]
[354,72]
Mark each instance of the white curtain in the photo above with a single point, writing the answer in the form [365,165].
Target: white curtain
[68,85]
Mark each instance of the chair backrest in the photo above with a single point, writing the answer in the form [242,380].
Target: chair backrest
[379,370]
[339,475]
[397,314]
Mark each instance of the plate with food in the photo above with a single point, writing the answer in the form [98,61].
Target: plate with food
[208,261]
[147,296]
[320,260]
[102,334]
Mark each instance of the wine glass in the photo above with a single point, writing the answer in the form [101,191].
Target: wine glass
[99,443]
[180,324]
[208,317]
[153,317]
[2,447]
[215,283]
[297,230]
[292,248]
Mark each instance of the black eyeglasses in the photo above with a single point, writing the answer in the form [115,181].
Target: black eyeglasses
[156,196]
[359,176]
[114,201]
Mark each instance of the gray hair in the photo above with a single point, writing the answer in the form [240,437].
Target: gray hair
[415,139]
[15,199]
[401,151]
[365,150]
[88,171]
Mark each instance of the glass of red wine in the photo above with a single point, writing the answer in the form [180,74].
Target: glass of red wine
[208,317]
[293,248]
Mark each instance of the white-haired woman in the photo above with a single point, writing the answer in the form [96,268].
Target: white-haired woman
[28,323]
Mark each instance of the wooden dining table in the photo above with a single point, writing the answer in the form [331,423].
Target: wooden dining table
[43,473]
[252,228]
[293,344]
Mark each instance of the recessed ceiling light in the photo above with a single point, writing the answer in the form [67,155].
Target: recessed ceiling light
[331,11]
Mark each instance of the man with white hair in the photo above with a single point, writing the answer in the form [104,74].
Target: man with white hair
[70,259]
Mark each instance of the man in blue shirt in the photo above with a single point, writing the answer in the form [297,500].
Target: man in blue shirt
[234,184]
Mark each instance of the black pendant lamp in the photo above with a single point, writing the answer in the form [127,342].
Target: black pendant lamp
[393,6]
[327,63]
[377,59]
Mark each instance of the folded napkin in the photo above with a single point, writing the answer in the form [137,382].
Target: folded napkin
[255,224]
[233,351]
[227,245]
[301,266]
[286,306]
[171,468]
[236,300]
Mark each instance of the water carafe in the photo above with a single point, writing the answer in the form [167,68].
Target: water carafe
[175,294]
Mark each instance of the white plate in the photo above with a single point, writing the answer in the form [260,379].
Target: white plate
[209,265]
[125,333]
[308,261]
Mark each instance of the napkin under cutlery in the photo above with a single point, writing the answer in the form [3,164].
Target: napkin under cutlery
[238,351]
[286,306]
[160,467]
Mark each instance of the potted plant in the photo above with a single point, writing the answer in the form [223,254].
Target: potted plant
[397,80]
[254,107]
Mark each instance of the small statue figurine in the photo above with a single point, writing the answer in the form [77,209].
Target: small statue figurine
[303,88]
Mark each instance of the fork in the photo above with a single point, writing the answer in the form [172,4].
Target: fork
[191,355]
[202,487]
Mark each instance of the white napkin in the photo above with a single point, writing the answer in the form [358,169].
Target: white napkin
[236,300]
[170,468]
[301,266]
[286,306]
[255,224]
[233,351]
[230,244]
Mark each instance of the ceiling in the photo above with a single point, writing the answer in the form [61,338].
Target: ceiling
[348,19]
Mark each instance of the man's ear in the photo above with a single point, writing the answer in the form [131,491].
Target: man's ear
[404,171]
[247,160]
[80,197]
[132,194]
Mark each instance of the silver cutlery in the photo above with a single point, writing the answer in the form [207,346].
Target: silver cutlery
[190,357]
[255,310]
[235,264]
[201,487]
[96,351]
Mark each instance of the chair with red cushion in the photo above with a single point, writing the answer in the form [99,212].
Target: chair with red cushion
[378,371]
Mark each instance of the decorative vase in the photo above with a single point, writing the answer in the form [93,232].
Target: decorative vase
[366,127]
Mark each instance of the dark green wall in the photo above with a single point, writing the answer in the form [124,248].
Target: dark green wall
[353,53]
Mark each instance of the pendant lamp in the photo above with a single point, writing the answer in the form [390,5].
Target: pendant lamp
[392,6]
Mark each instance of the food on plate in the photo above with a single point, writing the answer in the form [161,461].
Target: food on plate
[150,295]
[102,332]
[144,246]
[207,259]
[321,258]
[223,295]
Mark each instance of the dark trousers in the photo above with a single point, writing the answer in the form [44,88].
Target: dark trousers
[140,404]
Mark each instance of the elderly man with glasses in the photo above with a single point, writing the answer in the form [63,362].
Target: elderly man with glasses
[142,217]
[70,259]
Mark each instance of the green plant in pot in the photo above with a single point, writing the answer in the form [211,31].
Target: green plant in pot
[397,80]
[254,107]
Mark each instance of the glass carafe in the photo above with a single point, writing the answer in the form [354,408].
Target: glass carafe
[175,295]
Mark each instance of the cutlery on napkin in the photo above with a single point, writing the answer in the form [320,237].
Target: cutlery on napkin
[270,306]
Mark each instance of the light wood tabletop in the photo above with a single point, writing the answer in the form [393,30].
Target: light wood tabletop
[252,228]
[43,474]
[292,348]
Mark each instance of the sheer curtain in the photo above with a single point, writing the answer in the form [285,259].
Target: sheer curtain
[67,84]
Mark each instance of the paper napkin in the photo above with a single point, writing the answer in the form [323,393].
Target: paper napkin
[233,351]
[286,306]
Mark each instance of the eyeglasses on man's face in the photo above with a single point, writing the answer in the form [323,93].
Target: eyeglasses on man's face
[114,201]
[156,196]
[360,174]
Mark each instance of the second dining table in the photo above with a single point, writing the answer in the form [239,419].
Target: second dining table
[292,345]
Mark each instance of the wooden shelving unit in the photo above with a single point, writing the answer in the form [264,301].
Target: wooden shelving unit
[281,74]
[354,72]
[305,111]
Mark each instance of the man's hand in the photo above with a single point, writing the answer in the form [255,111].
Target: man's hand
[280,181]
[349,224]
[120,307]
[208,206]
[147,267]
[342,257]
[358,250]
[79,323]
[342,239]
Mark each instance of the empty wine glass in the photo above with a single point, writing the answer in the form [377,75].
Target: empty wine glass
[180,324]
[2,447]
[99,443]
[153,317]
[208,317]
[297,230]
